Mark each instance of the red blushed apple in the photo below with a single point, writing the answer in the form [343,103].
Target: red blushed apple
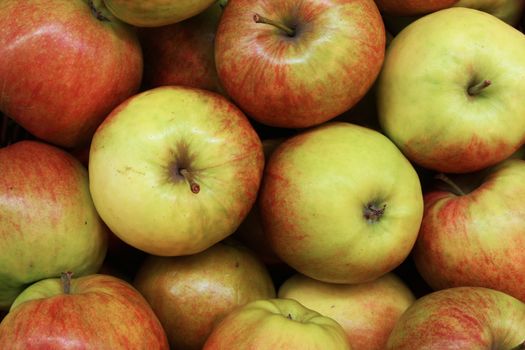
[182,53]
[412,7]
[474,236]
[191,294]
[296,64]
[90,312]
[463,318]
[48,222]
[65,66]
[367,311]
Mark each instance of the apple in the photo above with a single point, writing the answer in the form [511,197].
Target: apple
[366,311]
[340,203]
[276,324]
[474,236]
[65,66]
[174,170]
[190,294]
[295,64]
[182,53]
[89,312]
[48,222]
[452,102]
[156,13]
[412,7]
[473,318]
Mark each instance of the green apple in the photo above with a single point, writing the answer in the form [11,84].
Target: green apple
[155,13]
[174,170]
[471,318]
[191,294]
[90,312]
[340,203]
[451,89]
[48,223]
[282,324]
[366,311]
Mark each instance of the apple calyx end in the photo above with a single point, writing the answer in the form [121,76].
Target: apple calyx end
[65,278]
[260,19]
[373,213]
[477,88]
[96,12]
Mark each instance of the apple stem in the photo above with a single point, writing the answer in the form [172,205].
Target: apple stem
[65,278]
[451,183]
[259,19]
[519,347]
[477,88]
[96,12]
[194,186]
[374,213]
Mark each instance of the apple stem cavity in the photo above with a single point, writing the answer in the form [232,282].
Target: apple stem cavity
[259,19]
[194,186]
[451,183]
[373,213]
[477,88]
[96,12]
[65,278]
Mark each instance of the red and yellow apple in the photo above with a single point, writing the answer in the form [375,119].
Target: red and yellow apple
[191,294]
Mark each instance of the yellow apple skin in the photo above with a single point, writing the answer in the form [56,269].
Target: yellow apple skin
[155,13]
[316,195]
[423,101]
[366,311]
[282,324]
[174,170]
[190,294]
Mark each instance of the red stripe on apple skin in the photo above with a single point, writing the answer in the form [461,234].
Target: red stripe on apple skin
[458,156]
[452,247]
[80,65]
[45,181]
[272,86]
[111,315]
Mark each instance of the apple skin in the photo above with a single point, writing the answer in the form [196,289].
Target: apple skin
[476,239]
[100,312]
[137,162]
[63,70]
[473,318]
[48,222]
[300,81]
[182,53]
[423,101]
[366,311]
[156,13]
[191,294]
[317,197]
[276,324]
[412,7]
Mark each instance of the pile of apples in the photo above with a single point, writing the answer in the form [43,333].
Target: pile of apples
[262,174]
